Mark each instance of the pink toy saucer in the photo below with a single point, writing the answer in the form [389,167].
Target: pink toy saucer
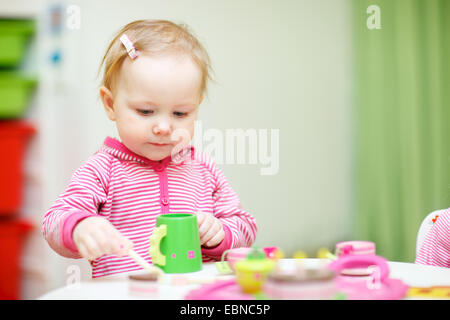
[219,290]
[376,286]
[303,284]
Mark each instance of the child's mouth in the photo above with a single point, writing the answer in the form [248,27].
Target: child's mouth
[159,144]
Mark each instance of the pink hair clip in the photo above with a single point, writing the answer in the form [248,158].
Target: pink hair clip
[131,50]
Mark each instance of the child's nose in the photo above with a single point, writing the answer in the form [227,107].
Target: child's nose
[162,127]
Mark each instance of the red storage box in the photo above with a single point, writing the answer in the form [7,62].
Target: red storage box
[13,138]
[12,233]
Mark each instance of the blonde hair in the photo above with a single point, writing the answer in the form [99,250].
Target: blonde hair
[155,38]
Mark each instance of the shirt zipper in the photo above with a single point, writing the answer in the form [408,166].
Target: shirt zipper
[163,186]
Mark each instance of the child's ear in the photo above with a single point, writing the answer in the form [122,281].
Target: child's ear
[108,102]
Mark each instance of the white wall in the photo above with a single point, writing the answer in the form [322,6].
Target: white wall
[280,65]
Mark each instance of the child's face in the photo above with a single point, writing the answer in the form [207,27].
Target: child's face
[155,103]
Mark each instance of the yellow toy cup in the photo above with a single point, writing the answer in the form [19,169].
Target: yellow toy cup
[252,273]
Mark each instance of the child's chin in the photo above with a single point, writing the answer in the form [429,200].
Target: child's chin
[157,156]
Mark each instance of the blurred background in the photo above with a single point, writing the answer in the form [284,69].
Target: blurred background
[358,90]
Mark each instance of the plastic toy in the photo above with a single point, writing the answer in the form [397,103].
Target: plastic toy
[377,286]
[151,269]
[14,136]
[223,267]
[232,256]
[13,233]
[300,255]
[324,253]
[143,285]
[252,272]
[15,92]
[435,292]
[175,243]
[14,36]
[311,284]
[274,253]
[355,248]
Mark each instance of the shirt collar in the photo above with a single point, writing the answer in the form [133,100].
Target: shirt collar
[120,151]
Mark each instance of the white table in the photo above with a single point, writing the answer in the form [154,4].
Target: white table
[116,287]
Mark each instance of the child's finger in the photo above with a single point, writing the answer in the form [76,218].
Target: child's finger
[114,246]
[200,217]
[213,227]
[93,251]
[117,243]
[116,238]
[107,243]
[124,245]
[204,227]
[208,236]
[211,232]
[216,239]
[83,251]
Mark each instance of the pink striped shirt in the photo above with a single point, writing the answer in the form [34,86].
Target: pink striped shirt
[131,191]
[435,250]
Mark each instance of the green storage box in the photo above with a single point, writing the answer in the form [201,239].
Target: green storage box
[14,36]
[15,91]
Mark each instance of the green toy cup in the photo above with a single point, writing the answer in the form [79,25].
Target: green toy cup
[175,243]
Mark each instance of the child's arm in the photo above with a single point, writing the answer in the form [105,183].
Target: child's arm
[86,192]
[239,226]
[435,250]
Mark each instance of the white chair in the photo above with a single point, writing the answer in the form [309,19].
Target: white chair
[425,227]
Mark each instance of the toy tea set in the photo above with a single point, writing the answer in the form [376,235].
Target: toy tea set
[355,272]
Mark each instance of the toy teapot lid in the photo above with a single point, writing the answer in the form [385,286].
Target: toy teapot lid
[256,261]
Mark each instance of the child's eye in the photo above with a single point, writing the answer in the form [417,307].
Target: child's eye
[180,114]
[145,112]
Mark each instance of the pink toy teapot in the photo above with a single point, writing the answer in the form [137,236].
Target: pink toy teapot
[376,286]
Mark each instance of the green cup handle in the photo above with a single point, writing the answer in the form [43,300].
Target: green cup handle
[155,241]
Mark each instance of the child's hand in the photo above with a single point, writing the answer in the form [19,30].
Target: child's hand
[210,229]
[96,236]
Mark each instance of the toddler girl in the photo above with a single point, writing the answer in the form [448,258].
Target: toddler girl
[155,77]
[435,250]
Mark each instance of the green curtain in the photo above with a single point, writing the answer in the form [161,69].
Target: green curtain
[401,121]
